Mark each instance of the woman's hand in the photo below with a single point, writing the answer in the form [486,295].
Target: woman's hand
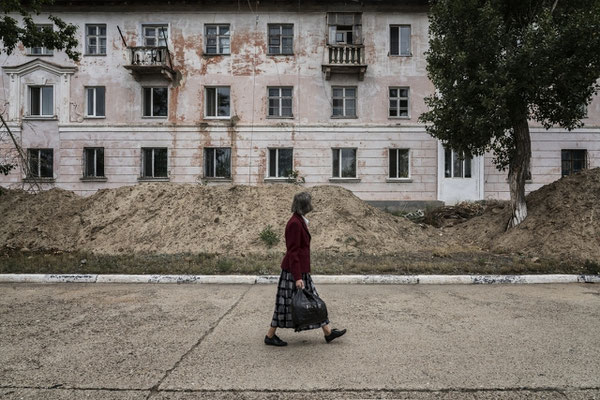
[299,284]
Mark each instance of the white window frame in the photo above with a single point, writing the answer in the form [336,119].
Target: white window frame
[397,101]
[85,155]
[44,51]
[29,98]
[281,36]
[216,116]
[214,154]
[158,37]
[397,150]
[153,156]
[400,26]
[151,101]
[280,98]
[98,37]
[344,99]
[277,149]
[218,36]
[455,154]
[94,115]
[339,149]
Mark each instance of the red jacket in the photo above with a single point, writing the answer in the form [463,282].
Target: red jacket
[297,242]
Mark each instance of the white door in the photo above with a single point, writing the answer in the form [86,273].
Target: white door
[459,178]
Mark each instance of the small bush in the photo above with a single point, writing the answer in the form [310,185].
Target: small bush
[269,237]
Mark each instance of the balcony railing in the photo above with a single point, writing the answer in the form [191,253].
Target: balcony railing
[148,60]
[346,54]
[345,58]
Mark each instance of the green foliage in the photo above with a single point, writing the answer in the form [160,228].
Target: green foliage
[496,62]
[61,37]
[269,237]
[295,178]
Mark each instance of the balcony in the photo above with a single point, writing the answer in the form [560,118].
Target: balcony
[345,59]
[150,61]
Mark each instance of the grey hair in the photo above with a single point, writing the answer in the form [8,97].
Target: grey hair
[301,204]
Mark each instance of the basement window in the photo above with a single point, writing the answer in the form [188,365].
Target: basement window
[93,159]
[573,161]
[344,163]
[399,164]
[155,101]
[154,162]
[280,163]
[41,162]
[217,162]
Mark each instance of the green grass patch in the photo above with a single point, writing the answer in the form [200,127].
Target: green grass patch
[434,262]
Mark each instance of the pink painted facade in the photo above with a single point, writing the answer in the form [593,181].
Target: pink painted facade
[188,133]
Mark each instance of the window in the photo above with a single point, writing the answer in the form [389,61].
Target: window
[41,101]
[155,102]
[95,101]
[280,163]
[281,39]
[154,162]
[456,165]
[93,158]
[573,161]
[155,35]
[398,102]
[41,51]
[344,28]
[41,163]
[217,162]
[344,101]
[280,101]
[95,40]
[217,102]
[399,163]
[344,163]
[217,39]
[400,40]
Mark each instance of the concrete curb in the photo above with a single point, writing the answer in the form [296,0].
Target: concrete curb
[320,279]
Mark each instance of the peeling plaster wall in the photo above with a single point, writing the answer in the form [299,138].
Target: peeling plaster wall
[248,70]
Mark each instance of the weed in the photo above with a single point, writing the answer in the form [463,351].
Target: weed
[269,237]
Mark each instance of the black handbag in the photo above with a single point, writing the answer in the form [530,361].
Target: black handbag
[307,309]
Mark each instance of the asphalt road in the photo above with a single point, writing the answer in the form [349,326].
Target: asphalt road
[167,341]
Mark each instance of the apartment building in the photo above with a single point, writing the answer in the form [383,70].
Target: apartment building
[247,92]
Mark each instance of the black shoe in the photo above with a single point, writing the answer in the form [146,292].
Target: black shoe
[334,334]
[274,341]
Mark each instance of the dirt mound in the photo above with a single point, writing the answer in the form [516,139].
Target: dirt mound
[563,221]
[173,218]
[453,215]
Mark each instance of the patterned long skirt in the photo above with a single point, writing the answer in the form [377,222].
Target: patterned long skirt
[282,317]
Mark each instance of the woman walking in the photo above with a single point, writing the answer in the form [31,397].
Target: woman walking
[295,273]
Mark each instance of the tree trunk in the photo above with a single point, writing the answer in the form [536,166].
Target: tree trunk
[518,170]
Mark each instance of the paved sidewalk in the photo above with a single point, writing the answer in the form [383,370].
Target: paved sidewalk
[124,341]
